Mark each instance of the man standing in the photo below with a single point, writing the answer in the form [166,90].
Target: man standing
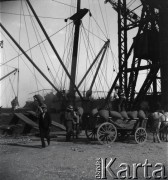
[119,99]
[69,122]
[43,119]
[15,103]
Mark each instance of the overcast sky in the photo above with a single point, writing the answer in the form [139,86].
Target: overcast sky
[25,30]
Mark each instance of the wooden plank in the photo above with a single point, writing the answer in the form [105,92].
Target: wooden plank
[53,123]
[58,125]
[12,126]
[32,113]
[27,120]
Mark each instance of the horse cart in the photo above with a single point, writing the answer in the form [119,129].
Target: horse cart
[107,129]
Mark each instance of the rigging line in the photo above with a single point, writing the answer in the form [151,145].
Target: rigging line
[8,66]
[91,48]
[99,27]
[89,58]
[52,76]
[105,78]
[115,59]
[94,35]
[100,83]
[66,47]
[103,18]
[29,48]
[87,48]
[102,72]
[69,58]
[26,65]
[12,85]
[8,71]
[19,51]
[35,29]
[64,4]
[136,8]
[36,44]
[69,53]
[79,50]
[65,39]
[31,72]
[131,3]
[108,34]
[26,15]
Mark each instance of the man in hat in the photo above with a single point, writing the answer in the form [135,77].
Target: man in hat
[44,120]
[119,98]
[69,121]
[15,103]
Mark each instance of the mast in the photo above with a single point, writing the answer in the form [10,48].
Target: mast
[53,47]
[75,51]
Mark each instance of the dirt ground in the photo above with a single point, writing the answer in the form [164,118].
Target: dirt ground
[22,158]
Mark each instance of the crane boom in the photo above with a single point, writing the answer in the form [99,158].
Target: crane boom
[8,74]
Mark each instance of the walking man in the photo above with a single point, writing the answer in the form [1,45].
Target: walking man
[43,119]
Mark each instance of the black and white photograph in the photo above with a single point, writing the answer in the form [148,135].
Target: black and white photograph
[83,89]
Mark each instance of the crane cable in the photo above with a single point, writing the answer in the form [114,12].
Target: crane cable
[103,19]
[20,56]
[29,45]
[35,29]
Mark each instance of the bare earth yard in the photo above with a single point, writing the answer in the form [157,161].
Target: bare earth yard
[22,158]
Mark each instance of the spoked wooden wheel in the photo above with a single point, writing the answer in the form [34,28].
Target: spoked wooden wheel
[91,133]
[140,135]
[106,133]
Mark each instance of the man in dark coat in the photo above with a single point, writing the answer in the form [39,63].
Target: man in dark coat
[44,120]
[69,122]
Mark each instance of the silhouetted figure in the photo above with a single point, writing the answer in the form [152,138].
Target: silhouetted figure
[119,99]
[69,122]
[14,103]
[43,119]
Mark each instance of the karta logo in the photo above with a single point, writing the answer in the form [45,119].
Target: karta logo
[107,166]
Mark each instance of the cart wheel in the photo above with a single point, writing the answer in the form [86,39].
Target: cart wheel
[140,135]
[91,133]
[106,133]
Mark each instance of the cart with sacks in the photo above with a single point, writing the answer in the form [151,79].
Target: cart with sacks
[107,126]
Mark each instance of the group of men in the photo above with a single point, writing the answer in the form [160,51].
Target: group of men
[71,120]
[72,117]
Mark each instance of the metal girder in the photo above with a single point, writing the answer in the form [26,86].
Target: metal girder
[147,83]
[132,17]
[148,22]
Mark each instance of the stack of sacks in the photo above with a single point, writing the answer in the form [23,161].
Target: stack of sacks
[104,114]
[115,115]
[141,114]
[124,115]
[94,112]
[132,114]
